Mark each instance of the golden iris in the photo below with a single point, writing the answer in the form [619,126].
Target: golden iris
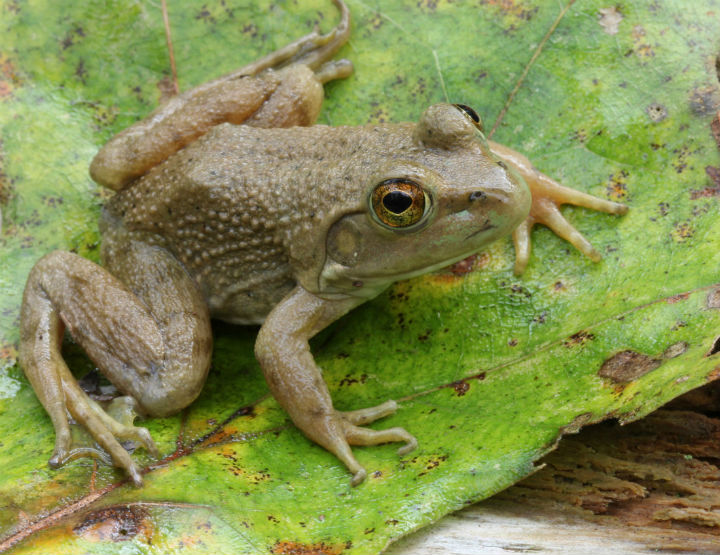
[399,202]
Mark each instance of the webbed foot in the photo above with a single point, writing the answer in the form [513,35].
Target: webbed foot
[108,429]
[337,431]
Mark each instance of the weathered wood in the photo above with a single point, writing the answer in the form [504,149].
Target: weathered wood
[649,487]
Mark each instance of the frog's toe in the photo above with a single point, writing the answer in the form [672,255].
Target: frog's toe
[359,477]
[365,436]
[63,443]
[521,239]
[550,216]
[370,414]
[120,416]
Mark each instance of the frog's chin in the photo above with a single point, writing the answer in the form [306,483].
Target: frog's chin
[337,280]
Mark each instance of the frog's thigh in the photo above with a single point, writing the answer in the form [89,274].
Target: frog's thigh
[296,100]
[150,335]
[161,286]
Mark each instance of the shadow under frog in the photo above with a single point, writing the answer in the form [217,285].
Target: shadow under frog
[230,204]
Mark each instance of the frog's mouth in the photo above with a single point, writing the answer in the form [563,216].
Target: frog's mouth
[486,226]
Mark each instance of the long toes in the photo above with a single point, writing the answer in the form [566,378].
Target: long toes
[552,218]
[411,445]
[142,435]
[578,198]
[521,240]
[370,414]
[365,436]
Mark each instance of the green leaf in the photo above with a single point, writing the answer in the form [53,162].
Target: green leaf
[490,369]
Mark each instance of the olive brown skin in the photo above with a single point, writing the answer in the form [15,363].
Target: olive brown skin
[230,204]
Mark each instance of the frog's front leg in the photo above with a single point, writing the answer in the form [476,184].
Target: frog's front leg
[146,328]
[547,196]
[282,89]
[297,384]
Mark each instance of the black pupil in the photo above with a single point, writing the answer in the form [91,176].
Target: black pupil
[397,201]
[469,111]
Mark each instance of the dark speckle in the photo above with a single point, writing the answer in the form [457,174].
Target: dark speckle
[579,338]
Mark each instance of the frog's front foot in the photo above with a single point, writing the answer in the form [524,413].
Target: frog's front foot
[338,430]
[547,196]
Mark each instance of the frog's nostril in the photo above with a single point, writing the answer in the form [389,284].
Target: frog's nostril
[477,195]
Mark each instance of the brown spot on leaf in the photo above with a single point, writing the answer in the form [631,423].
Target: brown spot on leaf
[704,100]
[9,78]
[713,298]
[641,48]
[713,190]
[656,112]
[578,422]
[682,231]
[515,8]
[715,127]
[114,524]
[616,188]
[349,380]
[626,366]
[461,387]
[676,349]
[296,548]
[677,298]
[433,463]
[609,19]
[579,338]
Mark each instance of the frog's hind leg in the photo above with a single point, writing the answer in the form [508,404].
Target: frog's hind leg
[282,89]
[150,336]
[547,196]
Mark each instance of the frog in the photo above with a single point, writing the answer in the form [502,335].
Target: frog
[230,203]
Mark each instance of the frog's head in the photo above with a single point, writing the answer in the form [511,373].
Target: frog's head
[436,202]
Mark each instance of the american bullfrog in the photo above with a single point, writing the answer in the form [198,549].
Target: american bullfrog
[231,204]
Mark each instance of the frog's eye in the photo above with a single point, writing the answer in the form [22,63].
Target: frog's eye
[470,113]
[399,203]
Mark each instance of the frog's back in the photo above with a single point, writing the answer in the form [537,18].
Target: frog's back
[231,205]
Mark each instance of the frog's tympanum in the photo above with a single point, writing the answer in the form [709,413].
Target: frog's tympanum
[231,204]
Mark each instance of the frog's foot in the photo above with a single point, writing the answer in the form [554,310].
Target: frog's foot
[336,432]
[547,196]
[312,50]
[108,429]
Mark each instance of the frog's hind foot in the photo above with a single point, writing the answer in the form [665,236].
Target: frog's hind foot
[152,342]
[107,428]
[312,50]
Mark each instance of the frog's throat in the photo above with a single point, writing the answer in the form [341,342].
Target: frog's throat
[337,281]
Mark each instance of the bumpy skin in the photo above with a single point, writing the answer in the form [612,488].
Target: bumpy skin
[262,223]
